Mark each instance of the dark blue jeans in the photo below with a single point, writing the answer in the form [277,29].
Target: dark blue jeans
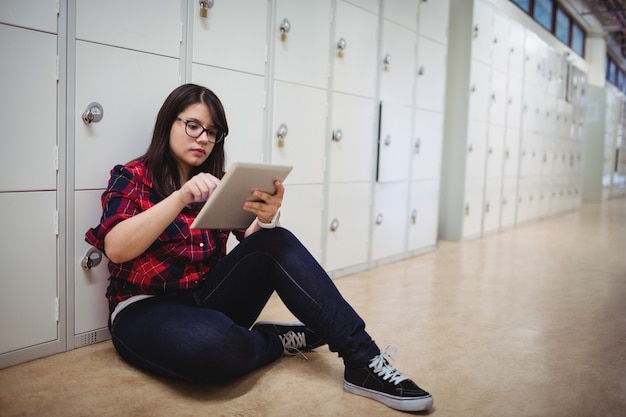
[203,335]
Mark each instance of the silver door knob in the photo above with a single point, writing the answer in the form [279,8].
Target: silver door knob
[93,113]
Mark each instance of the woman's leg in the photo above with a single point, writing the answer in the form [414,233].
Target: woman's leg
[275,260]
[172,336]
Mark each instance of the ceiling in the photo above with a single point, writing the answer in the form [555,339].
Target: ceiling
[608,16]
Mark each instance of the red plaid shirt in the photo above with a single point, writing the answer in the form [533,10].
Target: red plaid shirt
[179,259]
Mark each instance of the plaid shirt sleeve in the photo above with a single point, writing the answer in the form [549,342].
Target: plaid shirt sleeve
[179,259]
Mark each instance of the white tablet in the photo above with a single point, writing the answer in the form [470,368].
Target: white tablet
[224,208]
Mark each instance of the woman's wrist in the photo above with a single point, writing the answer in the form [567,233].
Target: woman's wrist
[272,223]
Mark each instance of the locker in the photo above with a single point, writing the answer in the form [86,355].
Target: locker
[500,43]
[511,153]
[495,151]
[492,206]
[482,32]
[28,265]
[35,14]
[301,54]
[508,203]
[498,106]
[134,87]
[129,25]
[428,142]
[431,16]
[544,202]
[514,103]
[402,12]
[390,220]
[353,141]
[29,109]
[476,149]
[355,65]
[397,63]
[301,213]
[473,208]
[424,211]
[347,241]
[516,50]
[430,90]
[395,146]
[479,91]
[299,113]
[243,97]
[90,284]
[228,38]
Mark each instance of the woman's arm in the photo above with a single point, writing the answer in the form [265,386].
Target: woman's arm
[131,237]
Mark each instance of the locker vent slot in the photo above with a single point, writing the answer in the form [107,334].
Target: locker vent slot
[88,338]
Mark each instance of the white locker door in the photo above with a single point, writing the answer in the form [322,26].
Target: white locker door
[476,149]
[428,144]
[347,242]
[131,87]
[28,267]
[480,91]
[143,25]
[301,213]
[516,50]
[390,220]
[29,103]
[511,153]
[35,14]
[497,109]
[508,203]
[402,12]
[495,151]
[394,149]
[482,32]
[355,61]
[431,75]
[301,54]
[299,113]
[424,215]
[398,63]
[500,42]
[233,35]
[355,125]
[243,97]
[90,302]
[433,20]
[473,209]
[492,205]
[514,103]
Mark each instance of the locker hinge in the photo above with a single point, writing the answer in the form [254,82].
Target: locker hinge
[56,223]
[56,309]
[57,70]
[56,158]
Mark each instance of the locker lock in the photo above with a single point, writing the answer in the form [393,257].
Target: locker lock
[334,225]
[93,113]
[281,134]
[205,5]
[414,216]
[341,46]
[337,135]
[379,219]
[387,62]
[284,27]
[92,258]
[418,145]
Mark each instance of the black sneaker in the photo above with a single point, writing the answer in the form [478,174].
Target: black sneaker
[382,382]
[296,337]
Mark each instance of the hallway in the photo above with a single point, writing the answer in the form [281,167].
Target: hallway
[527,322]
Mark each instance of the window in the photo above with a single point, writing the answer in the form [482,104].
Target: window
[562,26]
[523,4]
[542,13]
[578,39]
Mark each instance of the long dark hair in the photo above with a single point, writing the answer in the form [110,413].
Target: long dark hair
[159,159]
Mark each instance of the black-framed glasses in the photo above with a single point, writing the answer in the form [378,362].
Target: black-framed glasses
[195,130]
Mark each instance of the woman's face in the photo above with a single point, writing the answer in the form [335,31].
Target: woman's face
[189,151]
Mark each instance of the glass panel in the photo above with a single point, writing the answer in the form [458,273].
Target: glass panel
[543,13]
[563,23]
[523,4]
[578,40]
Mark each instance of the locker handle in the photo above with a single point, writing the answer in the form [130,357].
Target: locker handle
[341,47]
[334,225]
[421,70]
[418,145]
[337,135]
[281,134]
[388,140]
[414,216]
[93,113]
[379,219]
[284,27]
[205,5]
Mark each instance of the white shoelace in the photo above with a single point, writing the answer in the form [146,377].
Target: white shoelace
[382,367]
[293,342]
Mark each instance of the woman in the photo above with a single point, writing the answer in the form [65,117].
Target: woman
[181,307]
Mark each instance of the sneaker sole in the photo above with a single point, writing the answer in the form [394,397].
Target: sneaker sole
[397,403]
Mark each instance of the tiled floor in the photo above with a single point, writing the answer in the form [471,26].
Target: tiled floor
[528,322]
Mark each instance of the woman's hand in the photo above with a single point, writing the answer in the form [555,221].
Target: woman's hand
[198,189]
[266,209]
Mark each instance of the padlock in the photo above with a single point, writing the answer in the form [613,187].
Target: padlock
[204,8]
